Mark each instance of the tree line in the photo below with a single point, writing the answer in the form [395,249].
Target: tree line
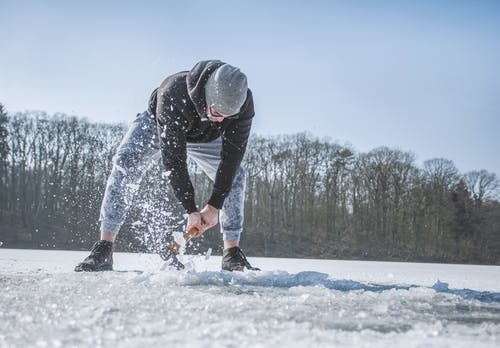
[306,197]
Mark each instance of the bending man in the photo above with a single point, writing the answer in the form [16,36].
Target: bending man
[204,114]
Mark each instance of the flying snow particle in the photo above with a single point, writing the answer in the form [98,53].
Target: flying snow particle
[121,169]
[133,186]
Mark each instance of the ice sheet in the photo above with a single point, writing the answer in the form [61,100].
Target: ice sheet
[294,303]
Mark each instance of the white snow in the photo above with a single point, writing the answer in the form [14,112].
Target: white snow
[291,303]
[121,169]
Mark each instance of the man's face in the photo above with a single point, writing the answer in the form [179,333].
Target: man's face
[214,115]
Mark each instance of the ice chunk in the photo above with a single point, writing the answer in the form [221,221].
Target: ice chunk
[208,254]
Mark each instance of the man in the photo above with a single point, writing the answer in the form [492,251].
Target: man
[205,114]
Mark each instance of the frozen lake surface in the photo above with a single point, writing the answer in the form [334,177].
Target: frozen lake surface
[292,303]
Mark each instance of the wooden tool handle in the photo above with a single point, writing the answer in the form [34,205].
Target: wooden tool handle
[191,233]
[174,247]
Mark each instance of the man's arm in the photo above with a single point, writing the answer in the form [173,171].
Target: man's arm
[234,143]
[172,135]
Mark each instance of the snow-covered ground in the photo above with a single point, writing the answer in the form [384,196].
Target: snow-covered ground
[291,303]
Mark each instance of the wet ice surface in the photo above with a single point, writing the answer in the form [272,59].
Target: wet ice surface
[294,303]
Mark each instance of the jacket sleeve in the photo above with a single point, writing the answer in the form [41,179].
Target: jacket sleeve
[234,144]
[172,135]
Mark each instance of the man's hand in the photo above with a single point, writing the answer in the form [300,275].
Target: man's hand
[210,216]
[195,220]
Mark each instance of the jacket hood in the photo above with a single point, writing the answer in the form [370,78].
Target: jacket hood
[196,80]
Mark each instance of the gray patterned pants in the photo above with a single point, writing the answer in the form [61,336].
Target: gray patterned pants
[137,151]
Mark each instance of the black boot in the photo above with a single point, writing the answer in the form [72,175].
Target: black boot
[233,259]
[100,258]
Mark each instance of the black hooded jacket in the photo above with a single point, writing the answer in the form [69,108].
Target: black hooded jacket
[180,109]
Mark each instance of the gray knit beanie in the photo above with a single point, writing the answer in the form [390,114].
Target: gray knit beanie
[226,90]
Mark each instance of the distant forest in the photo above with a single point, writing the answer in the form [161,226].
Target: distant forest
[306,197]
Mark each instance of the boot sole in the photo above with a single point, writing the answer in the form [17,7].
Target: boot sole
[82,268]
[238,269]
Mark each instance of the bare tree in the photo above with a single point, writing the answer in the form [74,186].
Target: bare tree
[4,153]
[482,185]
[305,197]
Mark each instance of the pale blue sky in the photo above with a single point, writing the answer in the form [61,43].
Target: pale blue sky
[422,76]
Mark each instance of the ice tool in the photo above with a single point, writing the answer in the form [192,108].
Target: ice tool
[173,248]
